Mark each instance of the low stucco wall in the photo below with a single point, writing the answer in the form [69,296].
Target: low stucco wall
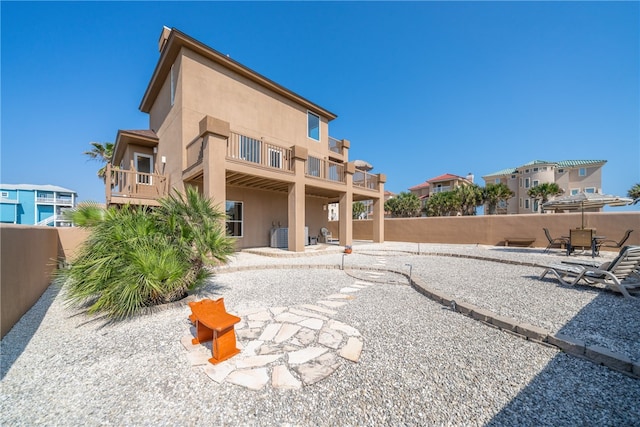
[493,229]
[28,258]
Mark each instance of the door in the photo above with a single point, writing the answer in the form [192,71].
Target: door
[143,164]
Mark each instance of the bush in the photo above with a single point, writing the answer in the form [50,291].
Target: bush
[136,257]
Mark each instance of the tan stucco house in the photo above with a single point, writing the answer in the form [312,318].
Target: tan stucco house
[259,150]
[572,176]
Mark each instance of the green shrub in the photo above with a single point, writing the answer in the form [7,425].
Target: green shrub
[136,258]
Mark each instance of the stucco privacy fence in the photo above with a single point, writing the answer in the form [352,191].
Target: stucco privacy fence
[494,229]
[29,254]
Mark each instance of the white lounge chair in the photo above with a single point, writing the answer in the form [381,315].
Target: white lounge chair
[326,235]
[619,275]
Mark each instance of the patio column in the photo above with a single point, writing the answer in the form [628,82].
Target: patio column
[378,211]
[215,134]
[296,201]
[346,207]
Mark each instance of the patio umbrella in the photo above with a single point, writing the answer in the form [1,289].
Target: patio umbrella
[584,201]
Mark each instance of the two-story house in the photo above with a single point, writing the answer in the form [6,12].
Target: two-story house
[572,176]
[439,184]
[259,150]
[36,204]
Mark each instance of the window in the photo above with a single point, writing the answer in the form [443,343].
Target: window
[535,182]
[249,149]
[520,202]
[582,172]
[496,181]
[526,171]
[575,191]
[313,166]
[535,169]
[4,194]
[313,126]
[590,190]
[234,218]
[520,182]
[526,203]
[527,182]
[173,86]
[535,205]
[560,170]
[275,158]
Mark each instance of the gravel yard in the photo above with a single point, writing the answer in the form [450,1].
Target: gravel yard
[421,364]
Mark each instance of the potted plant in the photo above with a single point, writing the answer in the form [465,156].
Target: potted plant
[347,249]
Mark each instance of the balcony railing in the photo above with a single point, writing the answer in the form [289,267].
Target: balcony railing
[136,185]
[252,150]
[52,200]
[325,169]
[335,145]
[365,179]
[441,189]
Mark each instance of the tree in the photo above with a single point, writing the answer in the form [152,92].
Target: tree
[404,205]
[493,194]
[101,153]
[358,208]
[542,192]
[468,197]
[135,258]
[446,203]
[634,192]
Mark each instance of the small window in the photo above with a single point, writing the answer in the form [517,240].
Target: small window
[313,126]
[526,203]
[575,191]
[520,202]
[535,205]
[4,194]
[582,172]
[560,170]
[520,182]
[234,218]
[535,182]
[535,169]
[513,177]
[497,181]
[526,171]
[173,86]
[527,183]
[590,190]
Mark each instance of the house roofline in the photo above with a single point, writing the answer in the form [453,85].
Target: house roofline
[178,40]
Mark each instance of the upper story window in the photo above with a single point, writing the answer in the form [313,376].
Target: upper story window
[536,182]
[590,190]
[582,172]
[4,194]
[527,183]
[496,181]
[313,126]
[173,86]
[575,191]
[535,169]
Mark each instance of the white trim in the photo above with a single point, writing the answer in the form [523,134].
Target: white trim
[135,164]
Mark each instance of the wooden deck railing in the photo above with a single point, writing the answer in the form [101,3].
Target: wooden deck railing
[325,169]
[135,185]
[252,150]
[366,180]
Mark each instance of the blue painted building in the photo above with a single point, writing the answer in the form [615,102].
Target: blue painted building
[35,204]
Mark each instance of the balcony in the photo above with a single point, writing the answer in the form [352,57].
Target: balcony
[325,169]
[441,189]
[365,180]
[259,152]
[136,188]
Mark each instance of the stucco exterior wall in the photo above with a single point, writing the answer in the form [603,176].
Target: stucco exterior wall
[493,229]
[28,257]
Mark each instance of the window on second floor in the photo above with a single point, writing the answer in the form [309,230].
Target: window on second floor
[590,190]
[313,126]
[497,181]
[582,172]
[527,183]
[526,203]
[4,194]
[575,191]
[535,183]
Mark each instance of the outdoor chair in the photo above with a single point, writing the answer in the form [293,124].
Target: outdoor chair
[619,275]
[613,243]
[326,235]
[562,241]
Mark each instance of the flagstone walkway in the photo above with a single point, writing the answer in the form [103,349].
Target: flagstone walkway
[290,347]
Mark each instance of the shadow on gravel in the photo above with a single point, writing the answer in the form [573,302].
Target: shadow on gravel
[17,339]
[571,391]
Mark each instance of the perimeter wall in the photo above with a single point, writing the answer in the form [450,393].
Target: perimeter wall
[494,229]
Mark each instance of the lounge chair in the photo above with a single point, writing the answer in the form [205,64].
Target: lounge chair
[562,241]
[619,275]
[613,243]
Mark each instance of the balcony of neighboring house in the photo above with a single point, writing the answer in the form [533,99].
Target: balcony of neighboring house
[135,188]
[441,189]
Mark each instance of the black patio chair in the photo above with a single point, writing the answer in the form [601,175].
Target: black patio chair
[613,243]
[562,241]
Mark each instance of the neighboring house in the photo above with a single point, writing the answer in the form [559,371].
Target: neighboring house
[572,176]
[253,146]
[439,184]
[35,204]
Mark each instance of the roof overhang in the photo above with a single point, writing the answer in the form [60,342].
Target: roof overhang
[178,40]
[145,138]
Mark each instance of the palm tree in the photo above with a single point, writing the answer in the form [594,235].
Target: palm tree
[634,193]
[469,197]
[136,258]
[404,205]
[493,194]
[101,153]
[358,209]
[542,192]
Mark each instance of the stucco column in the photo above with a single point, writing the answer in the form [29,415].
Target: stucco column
[296,201]
[215,134]
[346,207]
[378,211]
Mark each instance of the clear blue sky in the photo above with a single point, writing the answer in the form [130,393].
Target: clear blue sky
[420,88]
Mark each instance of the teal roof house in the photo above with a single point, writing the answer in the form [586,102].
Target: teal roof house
[35,204]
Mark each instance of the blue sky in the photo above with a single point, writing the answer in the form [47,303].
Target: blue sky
[420,88]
